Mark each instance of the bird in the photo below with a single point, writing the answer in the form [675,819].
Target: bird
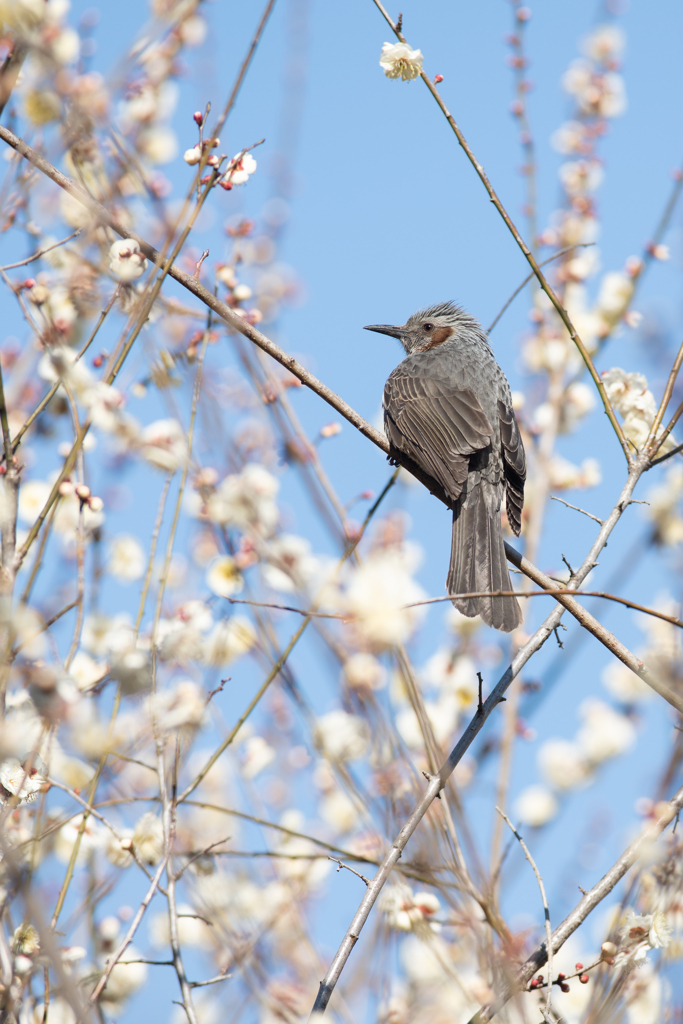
[448,408]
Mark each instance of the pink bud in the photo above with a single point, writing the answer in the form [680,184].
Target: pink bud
[437,79]
[198,117]
[578,967]
[583,979]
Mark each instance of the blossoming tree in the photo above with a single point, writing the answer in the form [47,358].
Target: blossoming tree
[174,791]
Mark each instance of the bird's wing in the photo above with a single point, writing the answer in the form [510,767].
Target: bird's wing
[514,465]
[437,425]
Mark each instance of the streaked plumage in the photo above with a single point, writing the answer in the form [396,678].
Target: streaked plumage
[448,407]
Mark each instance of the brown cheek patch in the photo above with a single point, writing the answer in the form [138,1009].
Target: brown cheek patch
[438,337]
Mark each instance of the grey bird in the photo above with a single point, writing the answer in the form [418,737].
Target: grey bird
[448,407]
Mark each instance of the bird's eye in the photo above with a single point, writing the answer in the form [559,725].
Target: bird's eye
[428,327]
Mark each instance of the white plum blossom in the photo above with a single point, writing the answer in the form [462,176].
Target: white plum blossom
[563,764]
[563,474]
[127,560]
[164,444]
[378,593]
[22,780]
[580,176]
[148,838]
[290,565]
[569,138]
[535,806]
[126,261]
[193,156]
[239,170]
[342,737]
[398,60]
[32,498]
[454,674]
[408,911]
[624,685]
[228,640]
[630,396]
[363,672]
[605,732]
[641,933]
[119,851]
[605,43]
[258,754]
[616,292]
[181,707]
[223,578]
[246,500]
[664,507]
[131,668]
[86,671]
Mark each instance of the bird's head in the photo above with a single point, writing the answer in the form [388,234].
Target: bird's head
[430,327]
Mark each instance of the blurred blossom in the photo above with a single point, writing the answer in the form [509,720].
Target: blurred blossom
[454,674]
[399,61]
[363,672]
[127,560]
[605,43]
[103,634]
[246,500]
[605,733]
[563,765]
[228,640]
[407,911]
[223,578]
[464,626]
[291,565]
[535,806]
[577,402]
[342,737]
[442,714]
[377,594]
[119,851]
[339,811]
[131,668]
[257,755]
[85,671]
[92,839]
[163,444]
[581,176]
[616,291]
[180,639]
[570,138]
[183,706]
[598,93]
[664,507]
[563,474]
[126,261]
[33,495]
[624,685]
[148,839]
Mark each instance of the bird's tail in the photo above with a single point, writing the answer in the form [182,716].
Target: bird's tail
[478,563]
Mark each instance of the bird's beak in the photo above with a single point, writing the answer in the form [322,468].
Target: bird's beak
[393,332]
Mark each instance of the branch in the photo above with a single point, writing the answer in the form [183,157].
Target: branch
[546,908]
[589,902]
[561,311]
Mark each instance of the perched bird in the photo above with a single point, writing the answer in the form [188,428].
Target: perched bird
[448,407]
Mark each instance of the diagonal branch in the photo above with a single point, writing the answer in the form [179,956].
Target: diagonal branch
[588,903]
[531,260]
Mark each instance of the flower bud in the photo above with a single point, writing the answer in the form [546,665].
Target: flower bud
[82,491]
[608,949]
[437,79]
[583,979]
[198,117]
[66,488]
[564,986]
[95,504]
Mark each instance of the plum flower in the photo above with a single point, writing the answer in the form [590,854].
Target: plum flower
[407,911]
[641,933]
[23,780]
[399,61]
[126,261]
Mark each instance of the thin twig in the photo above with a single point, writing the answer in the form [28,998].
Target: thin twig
[546,909]
[529,277]
[576,508]
[41,252]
